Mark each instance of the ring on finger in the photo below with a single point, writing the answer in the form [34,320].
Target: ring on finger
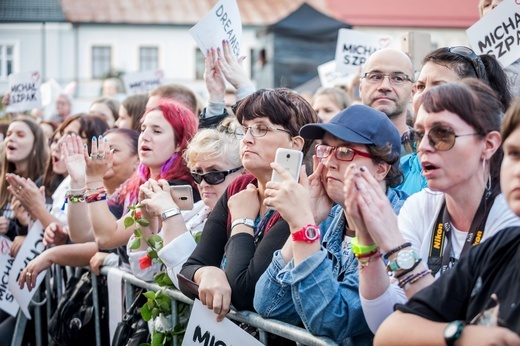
[100,156]
[20,187]
[28,275]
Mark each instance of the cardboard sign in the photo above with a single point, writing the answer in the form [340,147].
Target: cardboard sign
[223,22]
[329,77]
[7,301]
[25,91]
[203,330]
[354,48]
[498,33]
[31,247]
[142,82]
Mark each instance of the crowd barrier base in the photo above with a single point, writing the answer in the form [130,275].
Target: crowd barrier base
[263,325]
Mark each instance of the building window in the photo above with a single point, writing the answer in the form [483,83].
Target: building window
[200,65]
[101,61]
[6,60]
[148,58]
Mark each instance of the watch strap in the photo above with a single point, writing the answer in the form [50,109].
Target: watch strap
[170,213]
[359,249]
[302,234]
[453,331]
[243,221]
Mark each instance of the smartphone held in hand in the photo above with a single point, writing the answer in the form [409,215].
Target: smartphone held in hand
[290,160]
[182,196]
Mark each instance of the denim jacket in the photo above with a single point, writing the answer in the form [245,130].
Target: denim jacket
[320,292]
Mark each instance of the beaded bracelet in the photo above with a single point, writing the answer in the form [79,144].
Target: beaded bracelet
[75,193]
[411,279]
[394,250]
[409,270]
[76,199]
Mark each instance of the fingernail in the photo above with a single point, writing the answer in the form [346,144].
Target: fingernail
[84,145]
[106,140]
[357,174]
[362,168]
[94,139]
[357,188]
[100,137]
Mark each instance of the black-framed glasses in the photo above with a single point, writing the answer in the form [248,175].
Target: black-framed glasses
[257,130]
[476,62]
[342,153]
[441,137]
[213,178]
[395,78]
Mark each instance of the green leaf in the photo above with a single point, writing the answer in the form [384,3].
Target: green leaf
[146,313]
[165,307]
[157,338]
[156,238]
[129,221]
[155,312]
[197,237]
[149,294]
[152,254]
[143,222]
[167,281]
[136,243]
[138,232]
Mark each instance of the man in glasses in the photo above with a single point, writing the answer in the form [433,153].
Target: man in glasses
[386,85]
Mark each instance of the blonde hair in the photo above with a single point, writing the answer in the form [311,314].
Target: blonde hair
[213,144]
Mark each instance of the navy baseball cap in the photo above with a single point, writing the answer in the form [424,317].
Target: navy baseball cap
[358,124]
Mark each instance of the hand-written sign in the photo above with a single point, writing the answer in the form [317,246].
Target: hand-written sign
[142,82]
[31,247]
[498,33]
[354,48]
[223,22]
[24,89]
[7,301]
[204,330]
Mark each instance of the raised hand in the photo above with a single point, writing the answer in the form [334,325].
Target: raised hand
[157,196]
[100,160]
[213,77]
[74,153]
[231,67]
[26,192]
[320,202]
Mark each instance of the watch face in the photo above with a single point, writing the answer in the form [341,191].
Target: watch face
[450,330]
[312,233]
[405,259]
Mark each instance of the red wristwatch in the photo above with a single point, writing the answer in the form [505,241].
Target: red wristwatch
[309,234]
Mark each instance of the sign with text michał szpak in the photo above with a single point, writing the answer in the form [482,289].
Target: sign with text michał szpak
[32,246]
[142,82]
[354,48]
[204,330]
[223,22]
[24,89]
[7,301]
[498,33]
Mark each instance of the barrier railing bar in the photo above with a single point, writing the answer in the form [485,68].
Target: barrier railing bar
[97,310]
[282,329]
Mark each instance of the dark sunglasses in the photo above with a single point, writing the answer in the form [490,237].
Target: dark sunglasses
[441,137]
[213,178]
[476,62]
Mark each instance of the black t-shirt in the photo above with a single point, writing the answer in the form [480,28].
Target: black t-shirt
[484,286]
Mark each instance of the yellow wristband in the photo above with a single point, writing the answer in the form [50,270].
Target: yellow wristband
[359,249]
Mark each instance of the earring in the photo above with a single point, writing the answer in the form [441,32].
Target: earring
[488,180]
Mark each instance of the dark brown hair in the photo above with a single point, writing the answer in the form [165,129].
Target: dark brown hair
[475,103]
[511,119]
[282,107]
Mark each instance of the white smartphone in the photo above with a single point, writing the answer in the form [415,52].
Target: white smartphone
[289,159]
[182,196]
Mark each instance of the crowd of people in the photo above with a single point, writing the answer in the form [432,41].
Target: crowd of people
[400,229]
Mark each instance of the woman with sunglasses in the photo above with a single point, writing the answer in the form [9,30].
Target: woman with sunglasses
[241,234]
[316,282]
[476,303]
[448,65]
[458,144]
[213,157]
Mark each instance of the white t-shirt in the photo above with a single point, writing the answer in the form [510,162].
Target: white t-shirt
[416,220]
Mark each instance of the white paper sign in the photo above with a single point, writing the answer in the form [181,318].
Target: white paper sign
[7,301]
[498,33]
[25,91]
[203,329]
[354,48]
[142,82]
[31,247]
[329,77]
[223,22]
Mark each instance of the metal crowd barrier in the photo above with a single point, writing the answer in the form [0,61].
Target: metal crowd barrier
[263,325]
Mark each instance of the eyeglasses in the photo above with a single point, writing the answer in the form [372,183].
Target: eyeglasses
[441,137]
[213,178]
[395,78]
[342,153]
[476,62]
[257,130]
